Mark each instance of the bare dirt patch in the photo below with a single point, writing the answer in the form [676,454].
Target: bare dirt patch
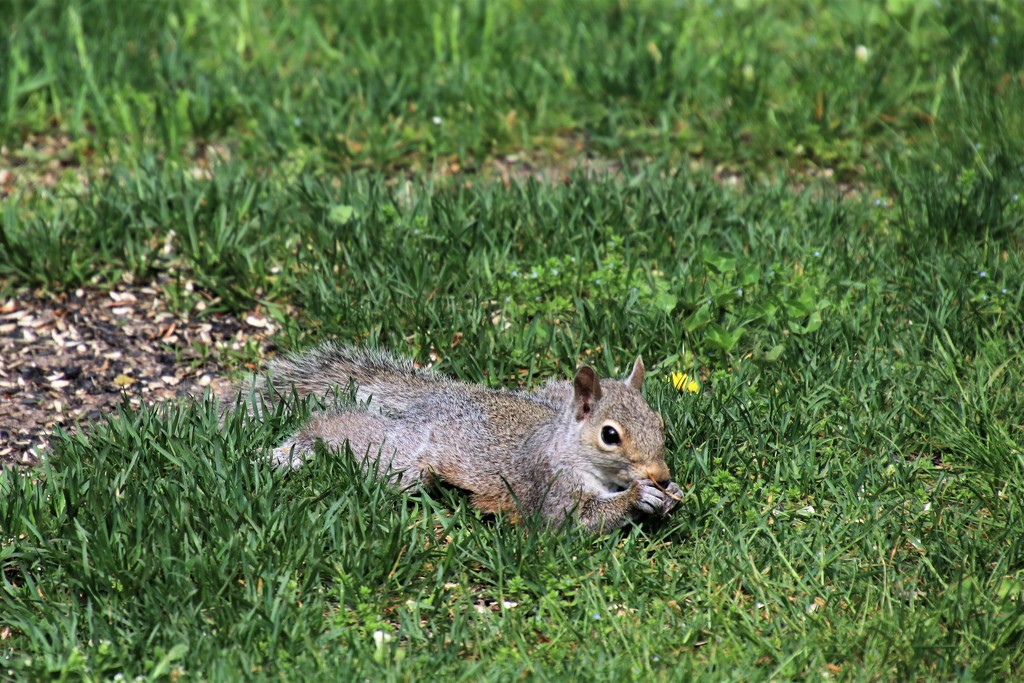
[71,359]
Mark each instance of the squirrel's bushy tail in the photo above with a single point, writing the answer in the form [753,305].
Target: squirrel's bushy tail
[391,383]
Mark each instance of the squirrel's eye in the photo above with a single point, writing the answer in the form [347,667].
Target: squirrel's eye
[610,436]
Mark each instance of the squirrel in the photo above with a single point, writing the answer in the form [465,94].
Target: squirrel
[591,449]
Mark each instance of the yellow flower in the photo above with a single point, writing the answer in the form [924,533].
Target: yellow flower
[683,383]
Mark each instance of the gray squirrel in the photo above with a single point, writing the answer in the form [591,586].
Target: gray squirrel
[592,447]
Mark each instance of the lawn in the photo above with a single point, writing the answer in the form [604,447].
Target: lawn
[810,210]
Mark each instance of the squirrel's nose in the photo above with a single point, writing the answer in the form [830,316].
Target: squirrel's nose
[660,475]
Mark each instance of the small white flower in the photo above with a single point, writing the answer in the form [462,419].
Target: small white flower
[436,120]
[861,53]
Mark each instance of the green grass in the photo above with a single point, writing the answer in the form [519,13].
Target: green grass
[348,84]
[853,461]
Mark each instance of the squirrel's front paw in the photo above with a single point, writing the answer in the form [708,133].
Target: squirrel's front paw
[673,496]
[657,500]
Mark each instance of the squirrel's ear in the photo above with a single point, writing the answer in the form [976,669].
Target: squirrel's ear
[636,378]
[588,390]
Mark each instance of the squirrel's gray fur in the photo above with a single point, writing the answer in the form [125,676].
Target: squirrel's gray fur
[540,452]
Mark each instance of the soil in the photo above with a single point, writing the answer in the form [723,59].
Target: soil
[71,359]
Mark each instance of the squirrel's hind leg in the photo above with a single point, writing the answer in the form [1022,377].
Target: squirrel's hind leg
[365,433]
[378,441]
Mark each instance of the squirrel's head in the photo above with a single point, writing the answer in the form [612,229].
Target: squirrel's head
[616,421]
